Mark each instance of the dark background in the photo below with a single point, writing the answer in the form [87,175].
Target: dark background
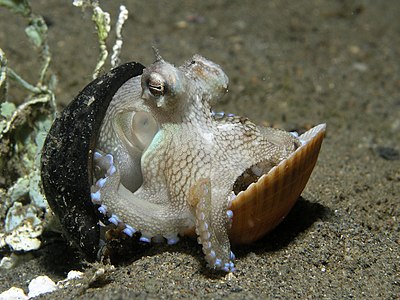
[292,64]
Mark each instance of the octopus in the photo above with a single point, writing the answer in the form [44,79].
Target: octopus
[165,162]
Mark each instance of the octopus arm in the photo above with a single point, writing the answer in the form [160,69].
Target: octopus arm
[212,221]
[144,210]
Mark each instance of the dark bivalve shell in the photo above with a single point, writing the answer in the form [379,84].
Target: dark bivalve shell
[67,167]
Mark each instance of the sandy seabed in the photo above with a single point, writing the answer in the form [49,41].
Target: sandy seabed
[292,64]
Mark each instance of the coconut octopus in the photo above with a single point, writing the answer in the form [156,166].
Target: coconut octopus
[163,162]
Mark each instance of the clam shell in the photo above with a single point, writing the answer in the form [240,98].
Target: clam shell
[264,204]
[66,161]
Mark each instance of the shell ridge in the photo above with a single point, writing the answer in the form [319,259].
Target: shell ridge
[276,191]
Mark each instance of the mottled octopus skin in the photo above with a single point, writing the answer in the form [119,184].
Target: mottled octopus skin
[176,166]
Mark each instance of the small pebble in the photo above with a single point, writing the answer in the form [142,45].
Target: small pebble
[388,153]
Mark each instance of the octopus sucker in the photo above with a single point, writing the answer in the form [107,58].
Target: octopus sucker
[161,162]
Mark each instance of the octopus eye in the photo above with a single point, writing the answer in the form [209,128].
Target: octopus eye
[156,85]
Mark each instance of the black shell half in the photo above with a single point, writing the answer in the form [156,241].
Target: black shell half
[67,157]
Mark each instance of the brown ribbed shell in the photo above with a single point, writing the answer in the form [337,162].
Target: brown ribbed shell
[264,204]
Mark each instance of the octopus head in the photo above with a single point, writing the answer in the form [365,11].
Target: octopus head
[208,78]
[163,86]
[174,91]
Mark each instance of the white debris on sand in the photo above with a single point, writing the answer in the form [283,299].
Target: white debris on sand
[38,286]
[41,285]
[13,293]
[71,276]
